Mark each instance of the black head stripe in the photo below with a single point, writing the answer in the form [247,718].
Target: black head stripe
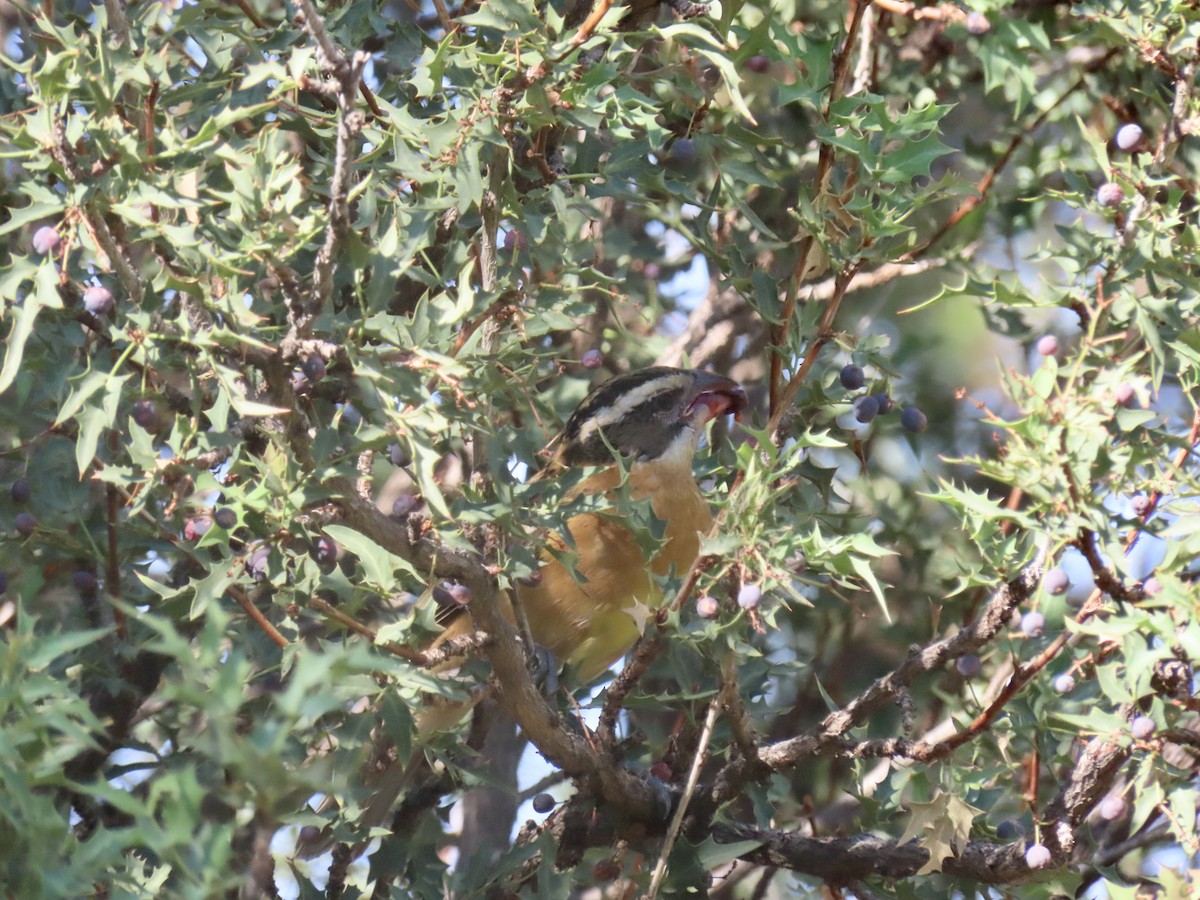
[645,438]
[609,393]
[644,431]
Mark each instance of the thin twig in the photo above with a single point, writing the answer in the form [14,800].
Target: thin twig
[61,150]
[118,24]
[699,564]
[244,601]
[735,711]
[112,568]
[250,13]
[1167,140]
[644,652]
[864,66]
[827,736]
[985,183]
[443,14]
[589,24]
[689,789]
[347,73]
[779,336]
[783,400]
[1177,465]
[945,12]
[451,649]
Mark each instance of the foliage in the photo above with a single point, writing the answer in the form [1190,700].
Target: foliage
[357,253]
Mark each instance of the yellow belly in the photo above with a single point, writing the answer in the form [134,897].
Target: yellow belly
[589,620]
[592,622]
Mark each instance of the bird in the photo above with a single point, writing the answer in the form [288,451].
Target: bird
[585,607]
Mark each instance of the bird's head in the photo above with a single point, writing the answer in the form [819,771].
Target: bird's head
[650,414]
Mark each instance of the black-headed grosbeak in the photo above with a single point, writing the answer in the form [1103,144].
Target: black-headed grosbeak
[653,419]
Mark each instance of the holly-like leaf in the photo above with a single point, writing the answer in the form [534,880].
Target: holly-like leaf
[941,826]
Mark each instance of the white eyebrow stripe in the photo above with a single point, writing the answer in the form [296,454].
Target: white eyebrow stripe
[628,402]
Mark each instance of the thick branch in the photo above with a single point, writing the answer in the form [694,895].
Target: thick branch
[829,736]
[843,859]
[517,692]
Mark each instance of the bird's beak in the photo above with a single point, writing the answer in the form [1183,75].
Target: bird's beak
[716,395]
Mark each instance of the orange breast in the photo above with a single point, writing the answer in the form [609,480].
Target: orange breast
[584,618]
[587,622]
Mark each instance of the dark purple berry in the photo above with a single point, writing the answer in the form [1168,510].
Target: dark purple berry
[1047,345]
[968,666]
[592,359]
[20,490]
[1033,624]
[26,524]
[46,240]
[398,455]
[1140,505]
[865,409]
[405,505]
[852,377]
[683,151]
[884,402]
[313,368]
[300,384]
[326,550]
[1110,194]
[543,803]
[85,582]
[226,517]
[1142,727]
[707,607]
[514,240]
[913,420]
[97,299]
[1056,582]
[758,64]
[459,593]
[1007,830]
[146,414]
[309,834]
[749,596]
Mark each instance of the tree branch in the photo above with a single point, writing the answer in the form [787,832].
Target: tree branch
[636,796]
[828,737]
[843,859]
[347,73]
